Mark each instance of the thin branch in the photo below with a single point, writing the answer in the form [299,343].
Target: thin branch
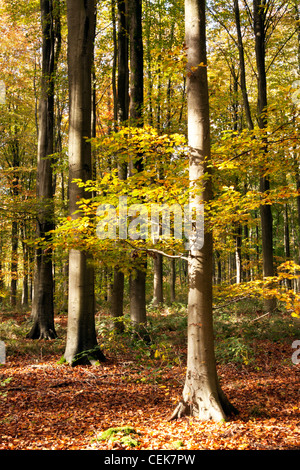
[279,50]
[261,316]
[159,252]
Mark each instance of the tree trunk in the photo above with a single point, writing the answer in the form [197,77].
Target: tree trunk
[238,253]
[1,272]
[122,111]
[138,278]
[242,66]
[259,17]
[14,263]
[158,297]
[172,280]
[123,70]
[136,64]
[137,283]
[202,395]
[81,345]
[43,304]
[25,291]
[15,225]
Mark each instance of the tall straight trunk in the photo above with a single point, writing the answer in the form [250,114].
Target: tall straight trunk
[114,64]
[158,297]
[43,304]
[136,64]
[242,66]
[123,69]
[14,262]
[25,291]
[81,344]
[1,267]
[122,112]
[172,280]
[148,28]
[202,395]
[15,224]
[265,209]
[238,253]
[138,277]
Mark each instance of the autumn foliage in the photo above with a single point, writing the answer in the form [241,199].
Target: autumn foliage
[126,401]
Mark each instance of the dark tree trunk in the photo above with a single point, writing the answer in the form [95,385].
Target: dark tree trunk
[15,224]
[158,297]
[242,66]
[259,17]
[138,278]
[43,303]
[172,280]
[122,112]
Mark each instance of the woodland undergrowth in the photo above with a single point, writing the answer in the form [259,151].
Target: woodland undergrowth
[125,402]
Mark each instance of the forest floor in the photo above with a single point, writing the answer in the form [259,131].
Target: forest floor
[49,405]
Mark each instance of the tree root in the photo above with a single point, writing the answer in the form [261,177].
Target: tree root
[181,410]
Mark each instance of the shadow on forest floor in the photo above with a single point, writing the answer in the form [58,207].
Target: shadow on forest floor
[46,405]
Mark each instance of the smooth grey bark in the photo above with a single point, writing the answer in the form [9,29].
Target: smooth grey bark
[81,344]
[202,395]
[43,303]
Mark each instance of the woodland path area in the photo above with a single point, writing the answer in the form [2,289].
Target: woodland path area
[52,406]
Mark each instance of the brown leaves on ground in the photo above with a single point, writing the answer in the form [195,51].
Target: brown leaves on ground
[53,406]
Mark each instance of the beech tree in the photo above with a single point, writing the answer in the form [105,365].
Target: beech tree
[81,345]
[122,111]
[202,394]
[138,277]
[43,304]
[260,28]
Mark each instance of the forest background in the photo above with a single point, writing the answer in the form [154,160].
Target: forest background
[254,167]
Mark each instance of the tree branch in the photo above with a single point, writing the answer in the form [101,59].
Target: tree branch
[153,250]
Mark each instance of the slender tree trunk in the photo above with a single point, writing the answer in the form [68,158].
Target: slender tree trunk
[43,304]
[122,112]
[238,253]
[138,278]
[265,209]
[123,70]
[158,297]
[219,268]
[202,395]
[15,224]
[136,64]
[81,345]
[1,272]
[172,280]
[114,65]
[14,262]
[242,66]
[148,27]
[25,292]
